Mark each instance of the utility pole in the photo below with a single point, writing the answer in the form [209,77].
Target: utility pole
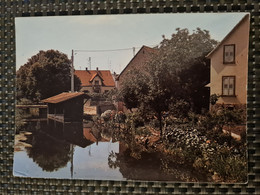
[72,71]
[89,63]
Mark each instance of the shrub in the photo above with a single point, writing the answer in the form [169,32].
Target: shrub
[213,99]
[228,166]
[142,131]
[135,120]
[180,108]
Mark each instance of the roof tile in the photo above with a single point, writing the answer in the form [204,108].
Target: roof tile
[86,76]
[62,97]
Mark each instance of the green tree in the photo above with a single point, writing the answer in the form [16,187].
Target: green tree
[134,89]
[174,73]
[176,70]
[45,74]
[193,80]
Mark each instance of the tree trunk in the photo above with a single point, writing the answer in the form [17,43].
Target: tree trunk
[160,123]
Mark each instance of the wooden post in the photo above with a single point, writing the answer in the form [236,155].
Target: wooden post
[72,71]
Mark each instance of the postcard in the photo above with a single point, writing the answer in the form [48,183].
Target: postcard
[148,97]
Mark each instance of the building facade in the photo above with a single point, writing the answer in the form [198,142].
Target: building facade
[66,107]
[229,67]
[95,81]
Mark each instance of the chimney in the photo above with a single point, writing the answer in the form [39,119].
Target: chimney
[97,68]
[86,68]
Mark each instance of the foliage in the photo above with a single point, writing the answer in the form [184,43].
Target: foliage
[47,152]
[111,95]
[142,131]
[209,154]
[120,117]
[193,80]
[176,69]
[24,101]
[45,74]
[213,99]
[19,116]
[224,116]
[228,166]
[134,90]
[228,162]
[135,120]
[172,75]
[179,108]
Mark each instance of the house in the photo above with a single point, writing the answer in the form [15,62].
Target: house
[138,62]
[97,81]
[229,67]
[66,107]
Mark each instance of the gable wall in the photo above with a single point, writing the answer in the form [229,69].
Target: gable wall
[138,62]
[240,38]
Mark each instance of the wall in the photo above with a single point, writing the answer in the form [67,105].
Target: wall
[138,62]
[90,89]
[240,69]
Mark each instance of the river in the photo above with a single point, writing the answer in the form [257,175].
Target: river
[49,149]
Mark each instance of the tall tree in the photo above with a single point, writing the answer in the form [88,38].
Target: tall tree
[193,81]
[45,74]
[175,72]
[134,89]
[172,69]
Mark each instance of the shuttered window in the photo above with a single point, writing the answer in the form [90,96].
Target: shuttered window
[228,85]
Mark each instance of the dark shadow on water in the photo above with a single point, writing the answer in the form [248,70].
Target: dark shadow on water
[52,143]
[151,167]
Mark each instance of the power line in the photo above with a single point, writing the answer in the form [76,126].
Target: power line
[111,50]
[106,50]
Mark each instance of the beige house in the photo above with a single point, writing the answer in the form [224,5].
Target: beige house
[95,81]
[229,66]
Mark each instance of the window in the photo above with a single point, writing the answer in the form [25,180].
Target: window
[96,82]
[229,54]
[228,85]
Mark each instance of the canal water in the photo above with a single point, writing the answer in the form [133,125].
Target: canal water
[49,149]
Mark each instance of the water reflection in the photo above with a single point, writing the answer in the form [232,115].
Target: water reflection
[56,148]
[88,151]
[52,143]
[48,152]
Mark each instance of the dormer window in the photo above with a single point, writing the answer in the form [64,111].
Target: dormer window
[229,54]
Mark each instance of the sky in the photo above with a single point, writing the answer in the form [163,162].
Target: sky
[107,41]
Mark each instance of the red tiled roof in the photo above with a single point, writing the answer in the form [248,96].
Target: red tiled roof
[86,76]
[96,74]
[62,97]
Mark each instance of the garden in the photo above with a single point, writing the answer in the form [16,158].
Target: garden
[195,143]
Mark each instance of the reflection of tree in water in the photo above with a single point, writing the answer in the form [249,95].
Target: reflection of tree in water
[151,166]
[48,150]
[49,153]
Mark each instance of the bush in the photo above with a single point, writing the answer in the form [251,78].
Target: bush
[228,166]
[180,109]
[135,120]
[213,99]
[142,131]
